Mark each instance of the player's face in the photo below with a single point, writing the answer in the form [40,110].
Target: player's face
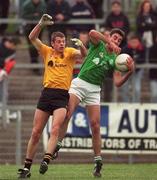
[59,44]
[116,38]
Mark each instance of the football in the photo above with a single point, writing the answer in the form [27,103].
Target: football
[121,61]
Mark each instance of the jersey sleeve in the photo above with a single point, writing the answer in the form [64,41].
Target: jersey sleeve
[72,52]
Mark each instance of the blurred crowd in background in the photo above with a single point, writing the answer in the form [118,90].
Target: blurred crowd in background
[140,27]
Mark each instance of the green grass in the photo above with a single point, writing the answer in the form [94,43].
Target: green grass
[83,172]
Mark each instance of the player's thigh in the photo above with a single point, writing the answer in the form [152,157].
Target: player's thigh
[40,120]
[73,103]
[59,116]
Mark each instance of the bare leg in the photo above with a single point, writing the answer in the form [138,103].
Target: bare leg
[73,103]
[94,116]
[58,119]
[40,120]
[58,129]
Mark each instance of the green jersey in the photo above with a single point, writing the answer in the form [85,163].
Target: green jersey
[98,64]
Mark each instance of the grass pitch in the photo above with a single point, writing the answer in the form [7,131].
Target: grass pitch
[84,172]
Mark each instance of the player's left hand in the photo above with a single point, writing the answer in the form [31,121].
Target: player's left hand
[130,64]
[77,42]
[46,20]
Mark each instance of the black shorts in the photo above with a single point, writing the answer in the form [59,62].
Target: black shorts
[52,99]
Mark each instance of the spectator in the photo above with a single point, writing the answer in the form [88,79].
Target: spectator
[4,12]
[146,25]
[153,73]
[97,7]
[71,2]
[136,50]
[7,58]
[81,11]
[117,19]
[60,12]
[32,10]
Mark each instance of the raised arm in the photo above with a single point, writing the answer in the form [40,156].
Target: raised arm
[120,79]
[96,37]
[81,46]
[33,36]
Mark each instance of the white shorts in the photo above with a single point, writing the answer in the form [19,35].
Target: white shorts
[88,93]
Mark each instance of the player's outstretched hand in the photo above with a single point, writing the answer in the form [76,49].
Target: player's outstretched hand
[130,64]
[46,20]
[77,42]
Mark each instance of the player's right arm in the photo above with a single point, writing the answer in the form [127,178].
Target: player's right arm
[33,36]
[96,37]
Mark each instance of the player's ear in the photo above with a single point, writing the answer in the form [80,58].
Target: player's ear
[52,43]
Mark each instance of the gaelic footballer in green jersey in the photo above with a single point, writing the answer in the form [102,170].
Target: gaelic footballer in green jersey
[99,61]
[97,64]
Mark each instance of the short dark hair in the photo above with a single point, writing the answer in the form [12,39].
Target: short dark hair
[57,34]
[118,31]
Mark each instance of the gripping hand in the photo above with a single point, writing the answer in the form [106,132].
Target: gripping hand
[77,42]
[46,20]
[130,64]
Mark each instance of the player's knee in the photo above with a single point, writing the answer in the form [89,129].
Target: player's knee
[35,136]
[95,126]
